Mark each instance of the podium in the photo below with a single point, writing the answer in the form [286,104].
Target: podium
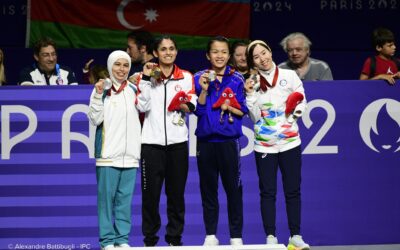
[221,247]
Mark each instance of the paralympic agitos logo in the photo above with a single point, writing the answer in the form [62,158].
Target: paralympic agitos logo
[385,125]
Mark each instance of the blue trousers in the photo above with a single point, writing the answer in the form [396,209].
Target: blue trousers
[115,187]
[214,159]
[289,163]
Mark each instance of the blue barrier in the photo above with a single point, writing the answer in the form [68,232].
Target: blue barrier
[350,186]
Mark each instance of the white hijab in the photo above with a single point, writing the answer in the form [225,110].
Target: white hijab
[112,58]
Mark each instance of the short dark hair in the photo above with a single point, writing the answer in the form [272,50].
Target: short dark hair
[158,41]
[236,44]
[142,38]
[43,42]
[380,36]
[216,39]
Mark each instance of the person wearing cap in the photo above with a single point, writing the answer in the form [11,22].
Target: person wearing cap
[113,111]
[219,128]
[276,99]
[297,46]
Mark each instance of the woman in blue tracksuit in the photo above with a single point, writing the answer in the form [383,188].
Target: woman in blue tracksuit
[218,131]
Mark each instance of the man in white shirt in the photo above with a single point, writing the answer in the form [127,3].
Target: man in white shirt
[46,70]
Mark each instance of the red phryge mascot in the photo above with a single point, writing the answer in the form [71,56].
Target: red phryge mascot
[175,106]
[228,98]
[292,101]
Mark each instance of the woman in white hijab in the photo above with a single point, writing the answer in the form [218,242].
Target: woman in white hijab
[113,111]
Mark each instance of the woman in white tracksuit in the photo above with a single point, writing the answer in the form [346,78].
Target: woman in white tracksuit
[165,98]
[275,101]
[117,150]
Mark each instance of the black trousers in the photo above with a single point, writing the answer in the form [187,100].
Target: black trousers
[289,163]
[159,163]
[214,159]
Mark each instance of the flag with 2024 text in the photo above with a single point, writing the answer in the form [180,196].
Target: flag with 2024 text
[105,23]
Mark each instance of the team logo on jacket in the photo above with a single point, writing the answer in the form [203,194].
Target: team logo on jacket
[283,83]
[178,88]
[383,135]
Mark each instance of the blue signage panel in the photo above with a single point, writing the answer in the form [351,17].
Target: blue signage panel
[350,141]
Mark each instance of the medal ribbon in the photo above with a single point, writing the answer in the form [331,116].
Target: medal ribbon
[264,84]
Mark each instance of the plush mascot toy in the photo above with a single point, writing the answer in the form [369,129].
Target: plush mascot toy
[175,106]
[292,101]
[227,97]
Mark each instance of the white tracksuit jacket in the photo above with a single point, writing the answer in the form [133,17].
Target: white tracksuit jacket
[154,99]
[273,131]
[118,139]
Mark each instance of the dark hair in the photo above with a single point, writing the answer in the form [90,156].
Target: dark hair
[236,44]
[216,39]
[249,52]
[380,36]
[159,40]
[142,38]
[43,42]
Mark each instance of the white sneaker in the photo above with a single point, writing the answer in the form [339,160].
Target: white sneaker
[108,247]
[236,241]
[272,240]
[124,245]
[211,240]
[297,241]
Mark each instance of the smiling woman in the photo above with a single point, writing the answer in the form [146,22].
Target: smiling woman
[219,127]
[117,150]
[274,109]
[167,97]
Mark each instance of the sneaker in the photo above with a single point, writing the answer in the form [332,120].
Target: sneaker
[272,240]
[123,245]
[211,240]
[297,241]
[236,241]
[108,247]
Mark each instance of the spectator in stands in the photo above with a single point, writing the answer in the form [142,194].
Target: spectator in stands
[165,98]
[238,58]
[2,70]
[383,65]
[140,49]
[117,150]
[297,46]
[220,108]
[274,108]
[92,74]
[46,70]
